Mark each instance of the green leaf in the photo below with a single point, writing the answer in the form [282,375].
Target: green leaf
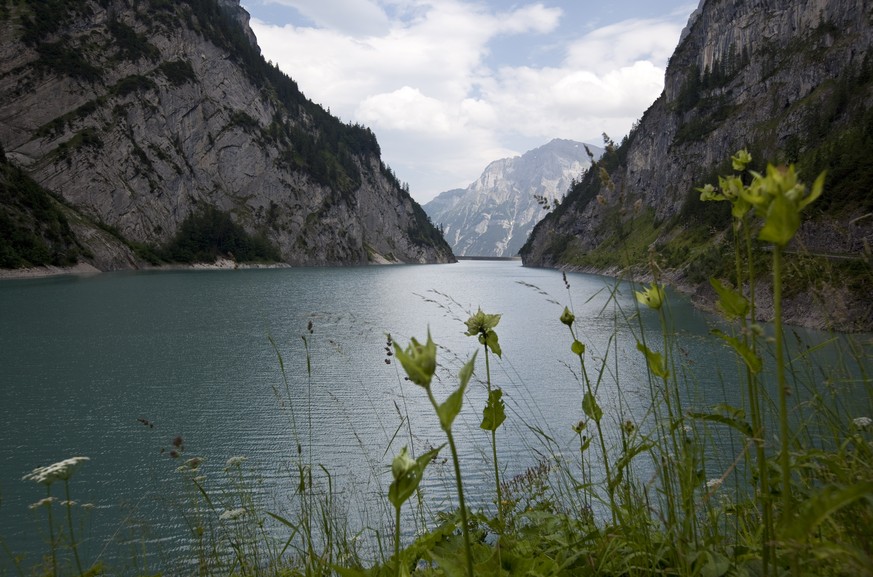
[655,361]
[494,412]
[625,460]
[752,360]
[590,407]
[731,302]
[817,188]
[491,343]
[715,565]
[735,421]
[405,485]
[781,222]
[450,408]
[467,370]
[816,510]
[739,208]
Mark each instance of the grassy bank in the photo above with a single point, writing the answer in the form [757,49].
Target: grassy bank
[642,493]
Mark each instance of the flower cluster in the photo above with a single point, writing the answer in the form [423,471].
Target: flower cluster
[232,514]
[60,471]
[482,325]
[713,485]
[45,502]
[235,462]
[863,423]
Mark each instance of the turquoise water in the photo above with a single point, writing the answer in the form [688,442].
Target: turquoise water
[115,366]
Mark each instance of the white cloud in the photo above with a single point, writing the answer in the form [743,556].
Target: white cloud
[534,18]
[426,83]
[354,17]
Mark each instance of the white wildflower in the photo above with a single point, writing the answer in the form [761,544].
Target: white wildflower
[60,471]
[42,503]
[713,485]
[863,423]
[235,462]
[232,514]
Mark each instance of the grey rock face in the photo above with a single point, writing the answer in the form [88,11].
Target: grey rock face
[494,215]
[746,74]
[170,115]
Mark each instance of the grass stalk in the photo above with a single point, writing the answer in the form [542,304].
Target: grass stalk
[73,543]
[52,543]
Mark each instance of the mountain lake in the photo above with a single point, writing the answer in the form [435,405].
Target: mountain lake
[129,368]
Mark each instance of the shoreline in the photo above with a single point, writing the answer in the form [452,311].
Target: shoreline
[85,269]
[842,313]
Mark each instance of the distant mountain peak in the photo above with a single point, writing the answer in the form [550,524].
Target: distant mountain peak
[494,214]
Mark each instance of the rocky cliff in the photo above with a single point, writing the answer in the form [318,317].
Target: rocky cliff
[494,215]
[790,80]
[141,114]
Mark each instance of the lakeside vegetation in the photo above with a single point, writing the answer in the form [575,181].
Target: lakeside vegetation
[642,496]
[33,228]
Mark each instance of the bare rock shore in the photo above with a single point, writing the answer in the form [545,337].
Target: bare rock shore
[87,269]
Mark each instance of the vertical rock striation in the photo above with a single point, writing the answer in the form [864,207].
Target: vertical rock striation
[140,114]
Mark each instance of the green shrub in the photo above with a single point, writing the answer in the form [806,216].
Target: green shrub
[210,233]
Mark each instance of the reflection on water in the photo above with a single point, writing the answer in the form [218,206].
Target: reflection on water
[116,366]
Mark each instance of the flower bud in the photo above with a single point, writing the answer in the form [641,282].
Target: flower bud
[402,464]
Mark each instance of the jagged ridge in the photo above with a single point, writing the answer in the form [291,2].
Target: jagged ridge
[494,215]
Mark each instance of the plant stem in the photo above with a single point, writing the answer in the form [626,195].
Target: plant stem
[461,503]
[397,539]
[781,383]
[612,506]
[464,527]
[784,429]
[494,446]
[52,532]
[70,524]
[755,403]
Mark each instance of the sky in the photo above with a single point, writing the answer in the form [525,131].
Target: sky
[449,86]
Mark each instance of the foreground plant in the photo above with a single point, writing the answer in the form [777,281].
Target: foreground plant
[482,325]
[407,473]
[590,407]
[419,362]
[814,486]
[48,475]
